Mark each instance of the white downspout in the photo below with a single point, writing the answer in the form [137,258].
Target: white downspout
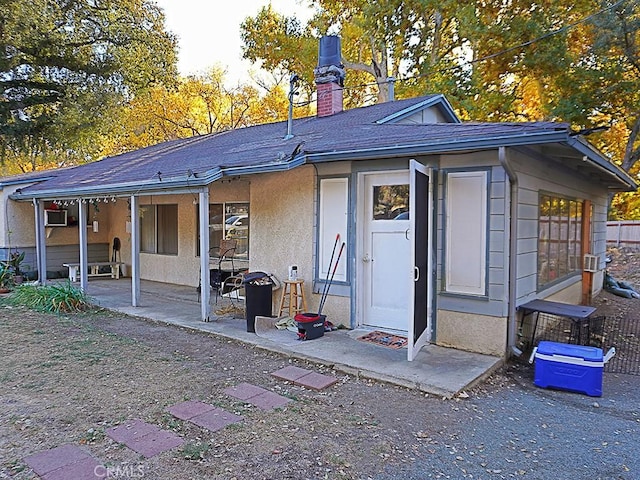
[513,250]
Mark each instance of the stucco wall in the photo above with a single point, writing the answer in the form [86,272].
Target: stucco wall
[282,222]
[183,268]
[571,294]
[472,332]
[16,228]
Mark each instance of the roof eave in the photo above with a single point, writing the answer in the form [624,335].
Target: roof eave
[444,146]
[175,183]
[597,159]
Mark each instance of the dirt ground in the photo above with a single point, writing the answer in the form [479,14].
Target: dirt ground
[625,265]
[66,379]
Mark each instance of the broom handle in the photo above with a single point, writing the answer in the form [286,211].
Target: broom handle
[335,267]
[333,252]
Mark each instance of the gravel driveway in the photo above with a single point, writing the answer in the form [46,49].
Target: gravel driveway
[516,430]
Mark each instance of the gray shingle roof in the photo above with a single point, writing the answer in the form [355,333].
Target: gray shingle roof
[349,134]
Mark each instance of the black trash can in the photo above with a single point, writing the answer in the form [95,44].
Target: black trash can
[257,289]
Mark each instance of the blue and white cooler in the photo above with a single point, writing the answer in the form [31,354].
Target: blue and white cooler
[574,368]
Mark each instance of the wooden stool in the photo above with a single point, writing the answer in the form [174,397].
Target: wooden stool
[295,290]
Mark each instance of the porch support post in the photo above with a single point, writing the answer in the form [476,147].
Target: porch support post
[41,242]
[135,252]
[82,229]
[204,254]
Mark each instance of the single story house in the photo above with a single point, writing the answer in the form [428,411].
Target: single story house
[448,226]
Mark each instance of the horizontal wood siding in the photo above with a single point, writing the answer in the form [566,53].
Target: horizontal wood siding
[494,303]
[535,177]
[59,254]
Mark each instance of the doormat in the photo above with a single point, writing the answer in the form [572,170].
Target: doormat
[384,339]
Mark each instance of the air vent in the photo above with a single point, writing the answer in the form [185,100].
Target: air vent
[591,263]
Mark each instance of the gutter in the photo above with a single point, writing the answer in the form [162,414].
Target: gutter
[604,165]
[182,182]
[513,251]
[445,146]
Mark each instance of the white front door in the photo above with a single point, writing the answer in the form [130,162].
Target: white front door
[385,251]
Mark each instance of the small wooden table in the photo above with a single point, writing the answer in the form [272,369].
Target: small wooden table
[576,313]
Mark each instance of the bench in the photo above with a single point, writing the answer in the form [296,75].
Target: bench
[94,269]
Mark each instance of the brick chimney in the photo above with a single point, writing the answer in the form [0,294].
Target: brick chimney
[329,76]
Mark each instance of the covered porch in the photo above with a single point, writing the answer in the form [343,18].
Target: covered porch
[436,370]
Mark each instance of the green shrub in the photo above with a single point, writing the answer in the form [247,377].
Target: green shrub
[55,298]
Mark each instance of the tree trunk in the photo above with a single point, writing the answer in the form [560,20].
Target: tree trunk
[631,155]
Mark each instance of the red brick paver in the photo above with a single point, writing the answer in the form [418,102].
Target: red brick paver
[257,396]
[190,409]
[269,400]
[64,462]
[316,381]
[204,415]
[244,391]
[144,438]
[216,419]
[305,378]
[290,373]
[87,469]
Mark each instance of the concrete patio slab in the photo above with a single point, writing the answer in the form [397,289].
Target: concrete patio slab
[437,370]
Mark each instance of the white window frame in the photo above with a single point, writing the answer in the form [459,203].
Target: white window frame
[466,232]
[333,216]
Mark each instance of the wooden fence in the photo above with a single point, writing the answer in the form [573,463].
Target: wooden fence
[625,233]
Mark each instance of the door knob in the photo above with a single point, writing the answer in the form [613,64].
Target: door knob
[366,258]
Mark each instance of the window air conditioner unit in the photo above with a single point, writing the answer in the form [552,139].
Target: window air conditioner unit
[590,263]
[55,218]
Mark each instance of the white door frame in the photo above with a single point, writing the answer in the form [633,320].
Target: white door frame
[360,240]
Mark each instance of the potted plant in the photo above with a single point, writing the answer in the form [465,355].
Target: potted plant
[6,278]
[14,266]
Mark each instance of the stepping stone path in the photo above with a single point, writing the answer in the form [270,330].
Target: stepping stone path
[305,378]
[144,438]
[64,463]
[204,415]
[258,396]
[69,462]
